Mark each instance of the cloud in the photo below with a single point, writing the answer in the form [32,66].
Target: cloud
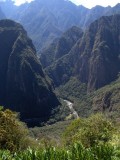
[18,2]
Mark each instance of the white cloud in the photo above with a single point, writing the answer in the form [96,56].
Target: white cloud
[18,2]
[92,3]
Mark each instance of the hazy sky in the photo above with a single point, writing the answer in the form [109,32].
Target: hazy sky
[86,3]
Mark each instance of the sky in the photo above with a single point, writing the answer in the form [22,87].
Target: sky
[86,3]
[92,3]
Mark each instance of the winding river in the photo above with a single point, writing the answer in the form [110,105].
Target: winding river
[70,105]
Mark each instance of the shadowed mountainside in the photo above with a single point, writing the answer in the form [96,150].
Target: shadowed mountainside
[23,85]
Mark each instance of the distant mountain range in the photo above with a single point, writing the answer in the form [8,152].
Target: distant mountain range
[45,20]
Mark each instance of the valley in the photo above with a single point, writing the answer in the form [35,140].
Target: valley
[77,60]
[59,80]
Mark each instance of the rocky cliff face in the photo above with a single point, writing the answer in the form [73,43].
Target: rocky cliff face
[99,61]
[23,85]
[95,58]
[60,47]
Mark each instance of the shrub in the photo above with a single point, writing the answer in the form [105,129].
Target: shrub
[90,131]
[13,133]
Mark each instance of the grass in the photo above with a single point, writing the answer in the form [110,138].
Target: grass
[51,133]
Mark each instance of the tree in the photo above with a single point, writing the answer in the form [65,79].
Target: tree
[13,133]
[90,131]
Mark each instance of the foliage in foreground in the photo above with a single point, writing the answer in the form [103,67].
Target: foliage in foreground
[13,133]
[90,140]
[94,130]
[74,152]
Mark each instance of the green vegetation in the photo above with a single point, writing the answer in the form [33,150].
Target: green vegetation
[105,99]
[50,133]
[74,152]
[92,131]
[73,88]
[76,92]
[14,134]
[93,138]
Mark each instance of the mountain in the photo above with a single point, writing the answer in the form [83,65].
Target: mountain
[93,14]
[46,20]
[23,85]
[8,8]
[99,50]
[114,10]
[2,16]
[107,100]
[60,46]
[94,59]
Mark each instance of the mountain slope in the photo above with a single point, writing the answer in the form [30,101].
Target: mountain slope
[8,8]
[105,99]
[23,85]
[60,46]
[95,58]
[2,16]
[100,50]
[46,20]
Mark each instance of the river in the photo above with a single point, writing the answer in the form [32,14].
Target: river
[70,105]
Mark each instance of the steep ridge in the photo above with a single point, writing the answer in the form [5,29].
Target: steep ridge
[60,46]
[23,85]
[95,13]
[113,10]
[46,20]
[99,61]
[95,58]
